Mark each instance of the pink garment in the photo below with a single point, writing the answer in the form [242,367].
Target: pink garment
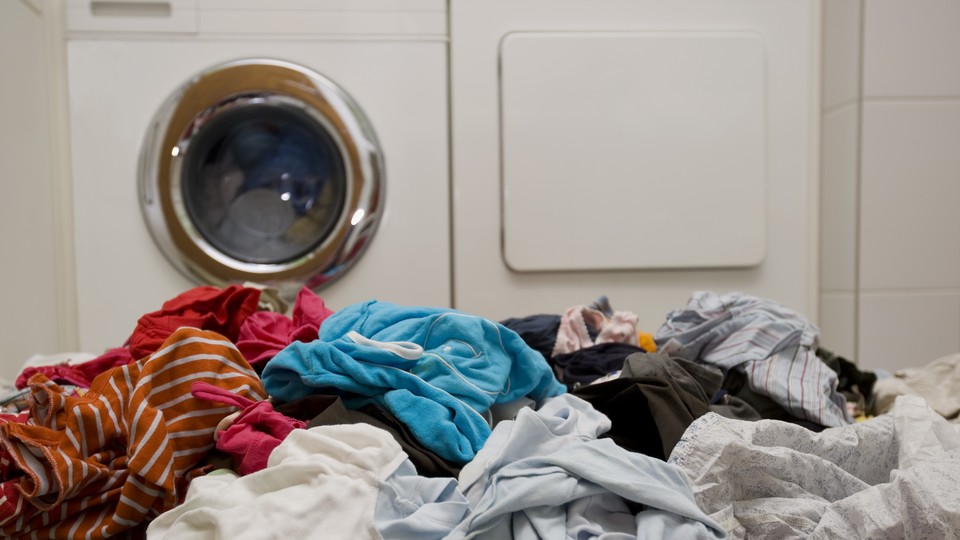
[7,466]
[80,374]
[265,333]
[254,433]
[207,308]
[576,323]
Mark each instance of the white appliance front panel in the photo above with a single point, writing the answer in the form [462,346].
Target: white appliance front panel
[484,282]
[647,129]
[117,85]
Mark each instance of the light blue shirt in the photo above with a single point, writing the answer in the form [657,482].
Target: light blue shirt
[437,370]
[413,507]
[547,475]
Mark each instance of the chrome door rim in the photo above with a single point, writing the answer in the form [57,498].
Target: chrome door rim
[273,83]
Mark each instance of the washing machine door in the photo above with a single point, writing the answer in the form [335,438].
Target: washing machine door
[261,170]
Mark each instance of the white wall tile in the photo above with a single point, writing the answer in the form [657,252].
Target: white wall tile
[838,199]
[911,48]
[907,330]
[910,195]
[838,330]
[841,52]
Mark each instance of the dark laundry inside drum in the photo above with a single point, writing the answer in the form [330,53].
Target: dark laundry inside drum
[264,184]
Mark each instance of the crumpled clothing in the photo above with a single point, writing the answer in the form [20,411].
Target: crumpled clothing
[938,382]
[654,401]
[645,339]
[271,299]
[584,366]
[438,370]
[104,462]
[327,482]
[773,345]
[893,476]
[328,410]
[265,333]
[537,331]
[548,475]
[578,322]
[253,433]
[207,308]
[79,374]
[7,467]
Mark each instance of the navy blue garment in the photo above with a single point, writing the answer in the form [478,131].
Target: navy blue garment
[538,331]
[590,363]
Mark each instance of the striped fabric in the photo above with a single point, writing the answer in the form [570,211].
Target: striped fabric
[774,345]
[7,467]
[97,465]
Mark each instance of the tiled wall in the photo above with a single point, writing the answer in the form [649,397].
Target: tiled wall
[840,173]
[890,244]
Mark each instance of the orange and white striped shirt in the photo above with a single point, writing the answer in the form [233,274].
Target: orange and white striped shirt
[99,464]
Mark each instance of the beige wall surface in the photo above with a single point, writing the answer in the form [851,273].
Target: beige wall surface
[890,181]
[28,320]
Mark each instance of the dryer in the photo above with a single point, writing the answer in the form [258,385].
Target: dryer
[641,150]
[285,142]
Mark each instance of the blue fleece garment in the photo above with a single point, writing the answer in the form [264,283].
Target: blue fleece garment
[437,370]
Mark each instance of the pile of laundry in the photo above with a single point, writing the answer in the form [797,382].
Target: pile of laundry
[228,413]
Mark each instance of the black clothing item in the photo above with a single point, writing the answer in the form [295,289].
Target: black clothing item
[590,363]
[328,410]
[538,331]
[653,402]
[855,385]
[733,407]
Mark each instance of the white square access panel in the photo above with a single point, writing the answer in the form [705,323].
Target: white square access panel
[633,150]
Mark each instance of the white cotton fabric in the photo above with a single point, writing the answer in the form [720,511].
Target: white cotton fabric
[894,476]
[320,483]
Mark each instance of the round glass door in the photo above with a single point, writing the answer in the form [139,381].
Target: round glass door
[264,183]
[262,171]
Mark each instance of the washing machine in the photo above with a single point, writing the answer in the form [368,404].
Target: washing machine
[641,150]
[289,143]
